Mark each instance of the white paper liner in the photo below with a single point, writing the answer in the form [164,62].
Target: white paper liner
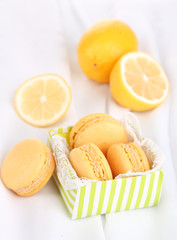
[67,175]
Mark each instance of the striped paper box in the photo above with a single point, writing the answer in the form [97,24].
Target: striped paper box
[102,197]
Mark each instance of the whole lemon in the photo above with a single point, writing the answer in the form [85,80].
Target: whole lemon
[102,45]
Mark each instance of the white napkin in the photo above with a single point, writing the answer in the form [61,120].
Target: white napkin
[32,43]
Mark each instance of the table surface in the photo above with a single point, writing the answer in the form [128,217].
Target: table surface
[41,36]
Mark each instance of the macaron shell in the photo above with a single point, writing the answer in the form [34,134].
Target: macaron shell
[84,123]
[118,160]
[89,162]
[100,129]
[40,183]
[103,135]
[127,157]
[27,163]
[81,163]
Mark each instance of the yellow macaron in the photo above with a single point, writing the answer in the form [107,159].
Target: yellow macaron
[123,158]
[89,162]
[98,128]
[27,167]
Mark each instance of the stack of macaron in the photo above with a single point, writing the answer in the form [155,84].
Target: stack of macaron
[100,149]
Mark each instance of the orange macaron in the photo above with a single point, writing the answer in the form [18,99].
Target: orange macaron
[98,128]
[27,167]
[89,162]
[123,158]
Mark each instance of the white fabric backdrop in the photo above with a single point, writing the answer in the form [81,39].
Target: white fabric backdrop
[41,36]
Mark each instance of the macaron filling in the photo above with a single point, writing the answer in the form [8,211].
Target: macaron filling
[143,160]
[135,158]
[95,161]
[131,157]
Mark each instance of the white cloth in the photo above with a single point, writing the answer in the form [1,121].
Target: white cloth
[41,36]
[32,43]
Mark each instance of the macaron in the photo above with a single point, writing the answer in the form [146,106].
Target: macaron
[123,158]
[89,162]
[27,167]
[98,128]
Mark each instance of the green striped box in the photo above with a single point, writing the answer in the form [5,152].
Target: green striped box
[102,197]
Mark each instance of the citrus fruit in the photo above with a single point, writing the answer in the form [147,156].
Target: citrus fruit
[43,99]
[102,45]
[138,82]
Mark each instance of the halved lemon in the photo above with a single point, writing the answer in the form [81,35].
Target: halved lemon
[43,99]
[138,82]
